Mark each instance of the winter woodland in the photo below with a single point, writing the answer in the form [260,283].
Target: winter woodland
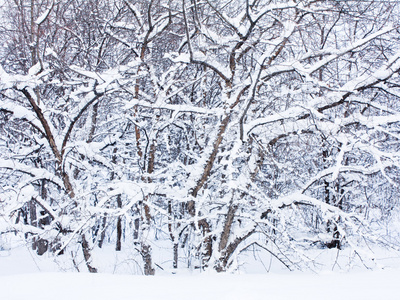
[190,133]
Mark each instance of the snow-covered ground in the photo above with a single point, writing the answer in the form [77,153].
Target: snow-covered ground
[23,276]
[367,285]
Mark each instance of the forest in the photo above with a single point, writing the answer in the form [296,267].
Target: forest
[194,134]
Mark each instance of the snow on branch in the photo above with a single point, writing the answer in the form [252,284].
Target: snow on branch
[45,15]
[37,173]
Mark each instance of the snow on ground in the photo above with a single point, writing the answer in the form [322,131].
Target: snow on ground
[23,275]
[60,286]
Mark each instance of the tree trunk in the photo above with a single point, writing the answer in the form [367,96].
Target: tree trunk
[87,255]
[146,255]
[227,227]
[103,231]
[119,226]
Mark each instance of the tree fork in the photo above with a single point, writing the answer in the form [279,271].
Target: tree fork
[206,173]
[51,141]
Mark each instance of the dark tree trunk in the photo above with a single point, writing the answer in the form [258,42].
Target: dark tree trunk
[86,254]
[103,232]
[146,255]
[119,226]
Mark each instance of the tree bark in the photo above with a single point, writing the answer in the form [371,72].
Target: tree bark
[146,255]
[87,255]
[119,226]
[227,227]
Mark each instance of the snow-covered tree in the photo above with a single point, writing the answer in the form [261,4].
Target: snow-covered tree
[199,129]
